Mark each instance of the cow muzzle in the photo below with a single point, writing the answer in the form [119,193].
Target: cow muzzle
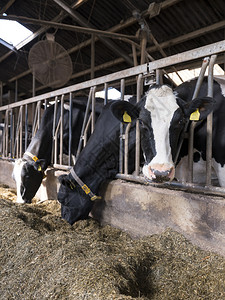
[160,172]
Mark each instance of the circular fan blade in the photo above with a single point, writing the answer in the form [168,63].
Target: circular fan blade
[50,63]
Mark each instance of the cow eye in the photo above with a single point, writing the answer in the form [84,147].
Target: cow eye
[181,121]
[141,123]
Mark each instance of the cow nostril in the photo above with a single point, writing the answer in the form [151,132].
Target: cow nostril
[162,175]
[158,173]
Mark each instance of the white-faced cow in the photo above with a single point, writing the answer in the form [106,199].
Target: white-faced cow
[162,114]
[28,172]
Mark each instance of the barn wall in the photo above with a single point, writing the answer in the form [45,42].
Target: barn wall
[143,210]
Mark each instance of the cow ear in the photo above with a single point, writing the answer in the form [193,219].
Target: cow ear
[62,179]
[197,109]
[124,111]
[40,165]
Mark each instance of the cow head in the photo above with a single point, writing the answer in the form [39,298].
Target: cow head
[75,204]
[162,116]
[28,176]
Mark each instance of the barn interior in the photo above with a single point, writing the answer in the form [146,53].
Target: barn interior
[94,38]
[91,39]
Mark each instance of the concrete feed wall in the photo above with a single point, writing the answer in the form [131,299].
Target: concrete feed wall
[146,210]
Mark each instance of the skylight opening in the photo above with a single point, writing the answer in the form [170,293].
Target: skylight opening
[190,74]
[13,32]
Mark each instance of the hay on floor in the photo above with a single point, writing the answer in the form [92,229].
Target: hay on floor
[43,257]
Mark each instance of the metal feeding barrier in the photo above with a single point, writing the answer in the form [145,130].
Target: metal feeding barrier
[22,119]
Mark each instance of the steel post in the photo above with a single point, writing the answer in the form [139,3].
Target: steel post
[122,89]
[138,138]
[93,110]
[61,131]
[209,124]
[70,130]
[85,121]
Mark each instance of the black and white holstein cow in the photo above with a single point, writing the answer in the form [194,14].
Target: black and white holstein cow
[162,114]
[28,172]
[97,162]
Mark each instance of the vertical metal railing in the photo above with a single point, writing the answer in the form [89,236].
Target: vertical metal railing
[70,129]
[16,124]
[138,136]
[193,123]
[209,124]
[85,121]
[121,138]
[61,130]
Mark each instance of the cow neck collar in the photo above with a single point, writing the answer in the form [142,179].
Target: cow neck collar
[32,156]
[84,187]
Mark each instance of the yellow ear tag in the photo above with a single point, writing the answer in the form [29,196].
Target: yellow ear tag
[126,118]
[195,116]
[39,168]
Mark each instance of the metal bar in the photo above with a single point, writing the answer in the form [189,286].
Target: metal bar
[106,93]
[93,110]
[4,134]
[56,141]
[63,26]
[58,18]
[6,6]
[26,126]
[190,151]
[138,138]
[176,185]
[143,47]
[11,133]
[34,124]
[53,128]
[126,148]
[209,124]
[16,146]
[39,113]
[33,83]
[86,130]
[7,135]
[134,54]
[193,124]
[122,88]
[161,63]
[1,100]
[16,90]
[196,91]
[85,121]
[21,131]
[61,167]
[92,56]
[70,130]
[159,77]
[88,42]
[61,130]
[108,43]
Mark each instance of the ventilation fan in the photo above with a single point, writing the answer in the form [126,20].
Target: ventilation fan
[50,63]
